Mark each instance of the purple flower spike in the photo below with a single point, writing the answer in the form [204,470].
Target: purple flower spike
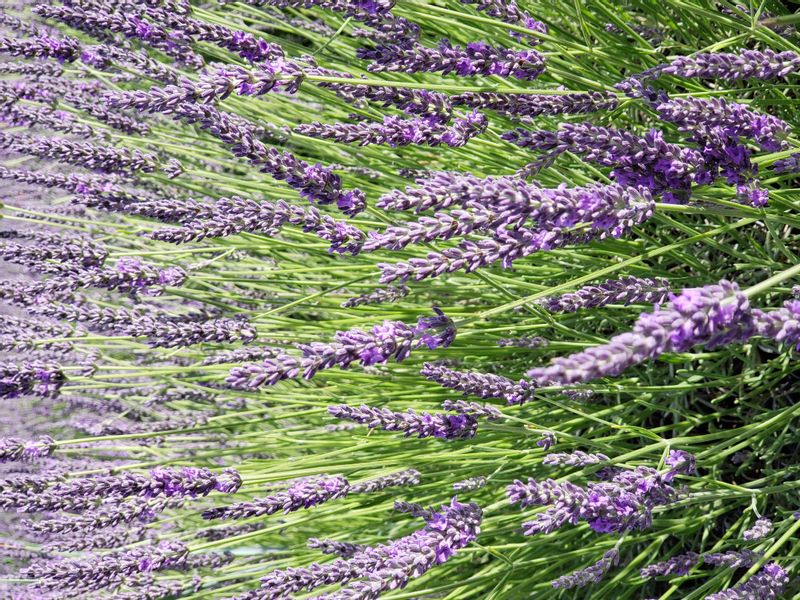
[483,385]
[767,584]
[304,494]
[421,425]
[13,449]
[589,575]
[626,290]
[574,459]
[678,566]
[399,479]
[760,529]
[714,315]
[477,58]
[749,64]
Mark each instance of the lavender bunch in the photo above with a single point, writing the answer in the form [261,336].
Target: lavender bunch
[476,58]
[701,116]
[392,339]
[379,568]
[646,161]
[233,215]
[64,49]
[422,425]
[304,494]
[623,503]
[624,207]
[33,377]
[315,182]
[626,290]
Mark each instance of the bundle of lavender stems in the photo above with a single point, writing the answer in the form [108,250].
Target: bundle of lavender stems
[356,299]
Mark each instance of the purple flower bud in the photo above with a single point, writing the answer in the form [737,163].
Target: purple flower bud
[64,49]
[390,293]
[733,559]
[749,64]
[548,440]
[523,342]
[483,385]
[342,549]
[713,315]
[471,484]
[790,164]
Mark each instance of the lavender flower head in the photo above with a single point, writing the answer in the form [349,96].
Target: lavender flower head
[589,575]
[760,529]
[13,449]
[767,584]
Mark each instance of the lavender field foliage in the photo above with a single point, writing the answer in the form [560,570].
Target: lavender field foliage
[409,299]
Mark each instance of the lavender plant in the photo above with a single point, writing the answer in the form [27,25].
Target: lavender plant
[315,298]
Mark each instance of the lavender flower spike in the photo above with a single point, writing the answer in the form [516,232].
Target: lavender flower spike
[471,484]
[574,459]
[678,565]
[713,315]
[749,64]
[477,58]
[767,584]
[399,479]
[392,339]
[440,425]
[483,385]
[303,494]
[13,449]
[343,549]
[390,293]
[760,529]
[732,559]
[626,290]
[592,574]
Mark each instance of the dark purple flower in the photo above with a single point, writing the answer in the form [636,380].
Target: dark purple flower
[748,64]
[534,105]
[483,385]
[13,449]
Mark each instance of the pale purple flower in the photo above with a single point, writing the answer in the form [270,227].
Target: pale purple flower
[748,64]
[589,575]
[534,105]
[398,479]
[547,441]
[760,529]
[523,342]
[441,425]
[391,293]
[626,290]
[574,459]
[342,549]
[13,449]
[483,385]
[470,484]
